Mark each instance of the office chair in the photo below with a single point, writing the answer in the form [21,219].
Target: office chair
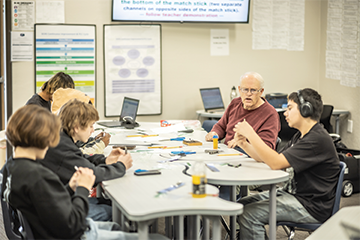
[310,227]
[325,117]
[15,224]
[208,124]
[286,132]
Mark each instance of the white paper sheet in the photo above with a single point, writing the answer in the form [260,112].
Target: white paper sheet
[278,24]
[219,42]
[23,15]
[50,12]
[22,46]
[343,42]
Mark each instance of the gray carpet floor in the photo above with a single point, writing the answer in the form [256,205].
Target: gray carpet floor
[354,200]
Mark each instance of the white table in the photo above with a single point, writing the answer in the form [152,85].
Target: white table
[250,173]
[135,197]
[332,229]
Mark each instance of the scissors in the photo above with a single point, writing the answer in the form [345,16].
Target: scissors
[173,139]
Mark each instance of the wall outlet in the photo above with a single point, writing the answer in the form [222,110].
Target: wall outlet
[350,126]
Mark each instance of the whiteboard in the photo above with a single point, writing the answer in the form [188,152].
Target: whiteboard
[132,67]
[66,48]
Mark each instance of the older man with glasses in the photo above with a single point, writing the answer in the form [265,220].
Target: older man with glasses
[250,106]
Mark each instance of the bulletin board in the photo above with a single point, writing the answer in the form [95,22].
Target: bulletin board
[67,48]
[132,67]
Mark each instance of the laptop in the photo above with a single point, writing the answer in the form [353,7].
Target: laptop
[212,99]
[128,111]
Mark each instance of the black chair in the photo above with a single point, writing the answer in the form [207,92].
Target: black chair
[15,224]
[325,117]
[286,132]
[310,227]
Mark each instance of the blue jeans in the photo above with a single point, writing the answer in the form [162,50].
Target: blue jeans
[256,213]
[99,211]
[111,231]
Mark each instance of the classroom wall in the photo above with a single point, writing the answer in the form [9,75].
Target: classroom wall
[340,96]
[188,66]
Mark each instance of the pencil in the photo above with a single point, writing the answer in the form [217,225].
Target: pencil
[230,154]
[138,135]
[173,147]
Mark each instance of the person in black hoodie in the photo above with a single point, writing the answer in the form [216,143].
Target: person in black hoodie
[53,210]
[77,120]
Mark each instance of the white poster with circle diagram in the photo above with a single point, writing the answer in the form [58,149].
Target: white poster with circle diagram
[132,55]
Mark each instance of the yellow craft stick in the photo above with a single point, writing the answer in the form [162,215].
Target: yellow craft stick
[157,147]
[154,135]
[230,154]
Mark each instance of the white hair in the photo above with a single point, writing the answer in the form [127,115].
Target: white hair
[255,75]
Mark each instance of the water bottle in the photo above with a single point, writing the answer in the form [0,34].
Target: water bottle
[199,180]
[233,93]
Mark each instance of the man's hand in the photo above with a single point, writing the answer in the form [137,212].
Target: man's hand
[209,136]
[232,143]
[126,160]
[105,137]
[243,128]
[240,140]
[114,155]
[83,177]
[118,155]
[73,181]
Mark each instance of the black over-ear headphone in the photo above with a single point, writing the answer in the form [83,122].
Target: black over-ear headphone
[306,109]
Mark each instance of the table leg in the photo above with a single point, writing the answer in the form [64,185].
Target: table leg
[272,214]
[168,227]
[232,218]
[206,228]
[216,227]
[143,230]
[179,227]
[118,217]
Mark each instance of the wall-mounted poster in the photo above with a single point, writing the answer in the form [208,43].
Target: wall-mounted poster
[132,67]
[67,48]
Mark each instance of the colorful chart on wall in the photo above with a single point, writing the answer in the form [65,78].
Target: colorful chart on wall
[132,66]
[67,48]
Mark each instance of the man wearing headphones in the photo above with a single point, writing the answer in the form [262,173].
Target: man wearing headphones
[311,159]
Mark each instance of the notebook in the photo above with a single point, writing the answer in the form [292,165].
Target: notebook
[128,110]
[212,99]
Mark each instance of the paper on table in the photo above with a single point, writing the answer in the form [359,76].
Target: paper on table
[169,129]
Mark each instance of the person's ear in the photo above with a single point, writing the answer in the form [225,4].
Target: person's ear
[76,129]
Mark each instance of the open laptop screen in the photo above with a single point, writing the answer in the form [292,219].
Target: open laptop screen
[129,108]
[211,98]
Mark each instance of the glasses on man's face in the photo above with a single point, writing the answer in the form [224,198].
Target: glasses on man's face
[251,90]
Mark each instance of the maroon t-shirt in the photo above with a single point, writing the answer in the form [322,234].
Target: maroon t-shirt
[264,120]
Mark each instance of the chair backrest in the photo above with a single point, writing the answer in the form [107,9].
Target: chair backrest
[325,117]
[16,226]
[286,132]
[314,226]
[339,188]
